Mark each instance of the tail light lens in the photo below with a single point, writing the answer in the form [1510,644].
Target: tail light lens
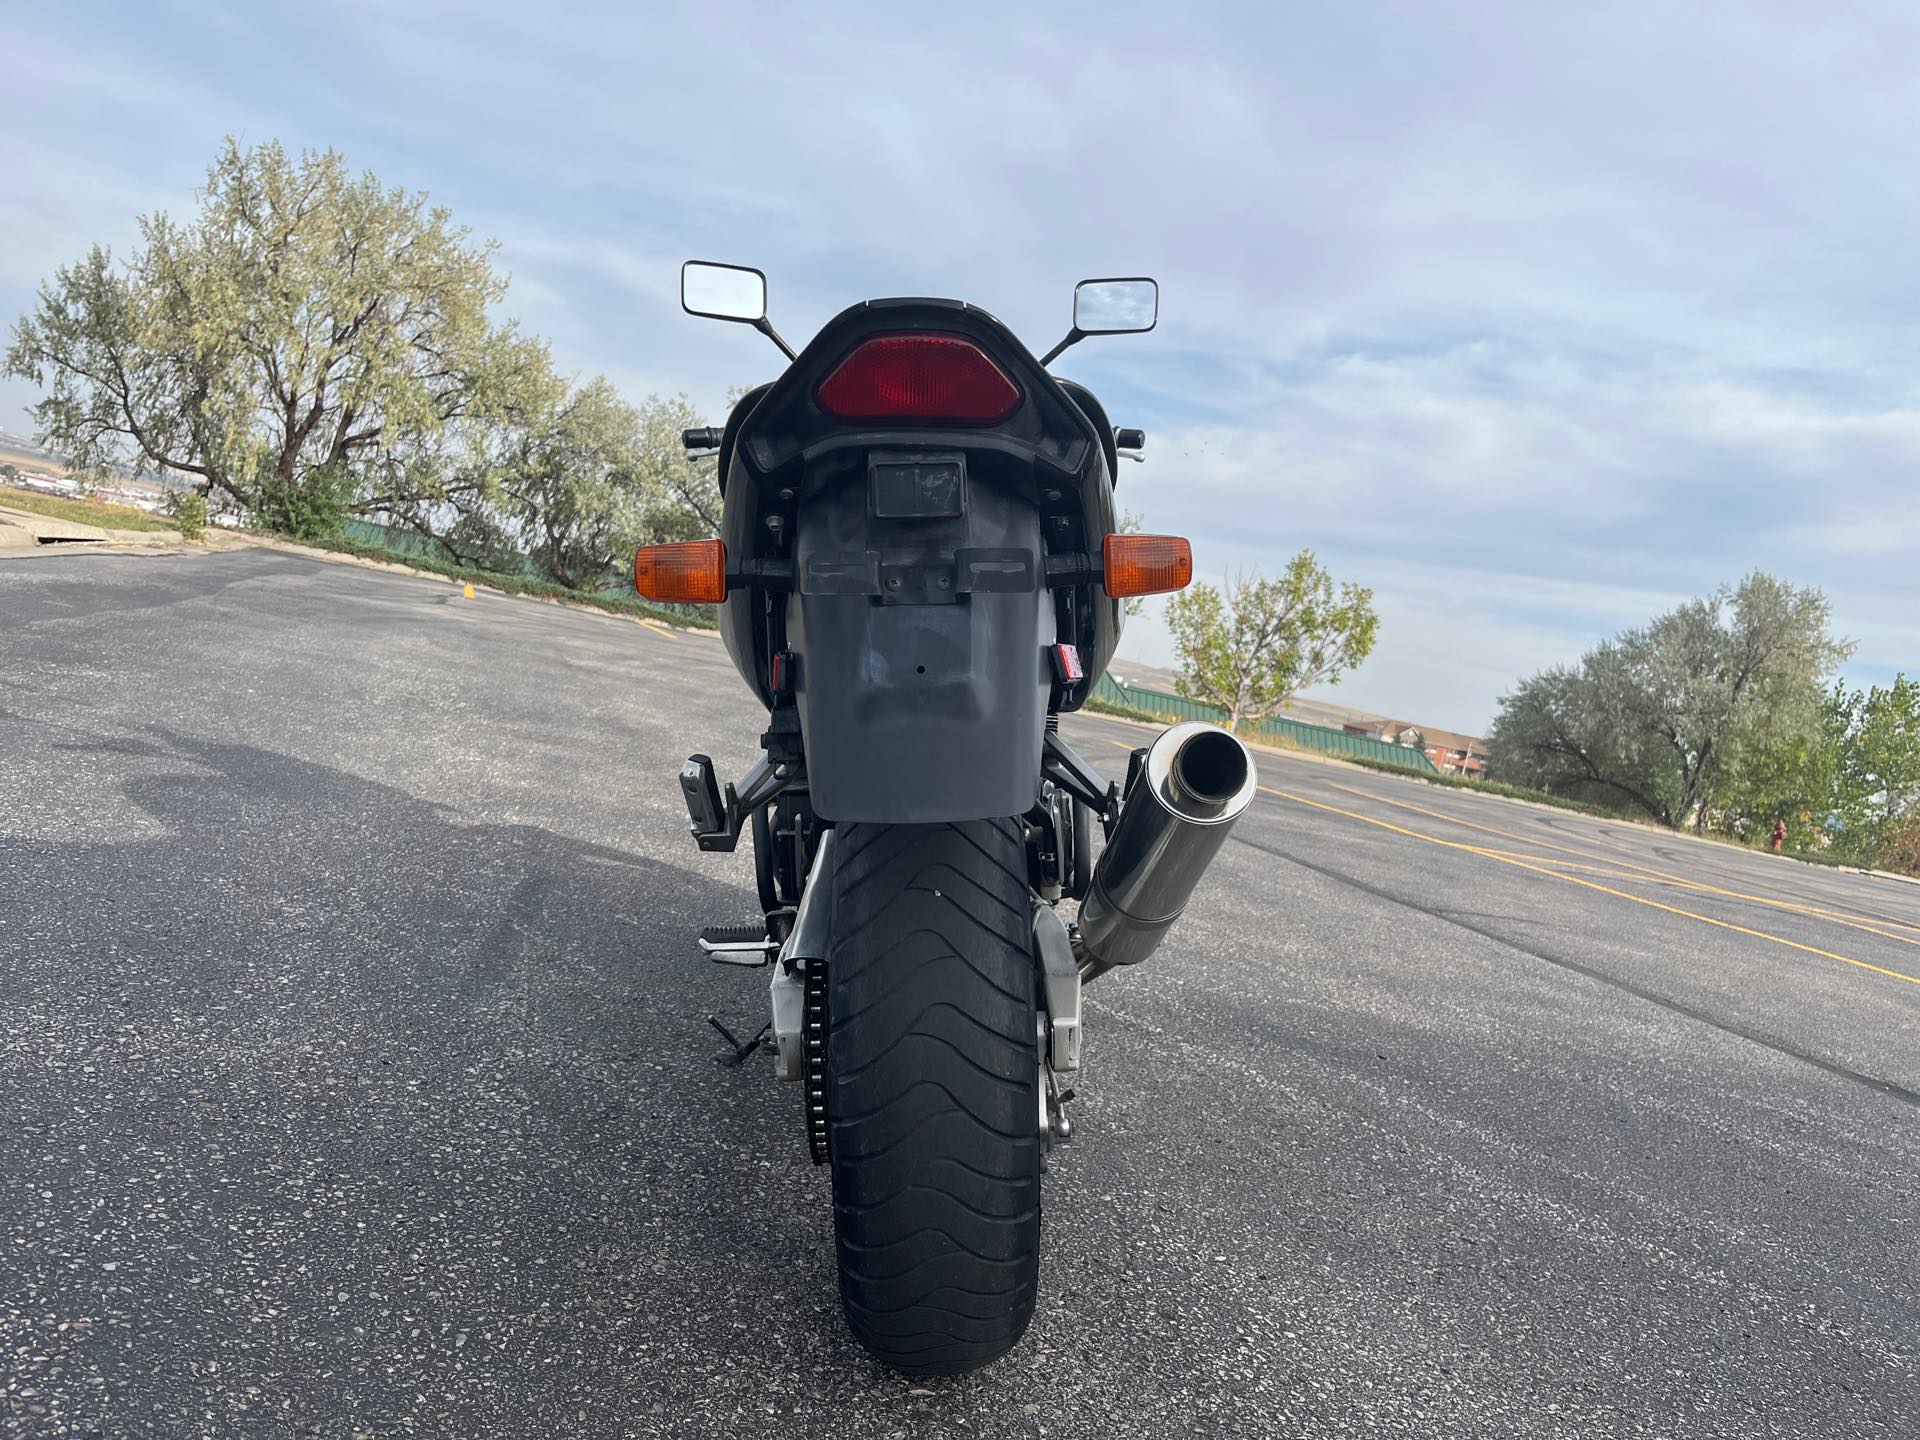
[945,379]
[1147,564]
[691,573]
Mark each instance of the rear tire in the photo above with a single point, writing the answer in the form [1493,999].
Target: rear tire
[933,1091]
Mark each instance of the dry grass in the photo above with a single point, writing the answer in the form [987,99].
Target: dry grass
[103,513]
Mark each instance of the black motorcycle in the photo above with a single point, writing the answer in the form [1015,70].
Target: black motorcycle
[919,574]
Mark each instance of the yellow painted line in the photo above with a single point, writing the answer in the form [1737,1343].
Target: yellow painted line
[1486,854]
[656,627]
[1619,871]
[1714,861]
[1850,918]
[1614,872]
[1615,868]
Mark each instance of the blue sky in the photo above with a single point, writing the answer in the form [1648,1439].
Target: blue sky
[1535,318]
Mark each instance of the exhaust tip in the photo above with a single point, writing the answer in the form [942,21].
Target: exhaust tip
[1210,769]
[1197,781]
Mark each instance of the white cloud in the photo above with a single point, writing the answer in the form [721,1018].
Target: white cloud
[1533,318]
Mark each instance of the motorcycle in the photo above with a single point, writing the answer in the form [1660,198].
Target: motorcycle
[918,574]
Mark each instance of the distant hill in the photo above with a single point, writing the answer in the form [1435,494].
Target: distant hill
[23,451]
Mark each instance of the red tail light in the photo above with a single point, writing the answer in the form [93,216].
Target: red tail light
[941,378]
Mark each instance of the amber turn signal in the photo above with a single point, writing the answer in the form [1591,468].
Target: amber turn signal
[691,573]
[1147,564]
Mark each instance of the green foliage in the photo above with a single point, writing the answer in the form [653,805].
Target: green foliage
[188,510]
[306,327]
[313,508]
[1789,773]
[1715,696]
[1876,769]
[600,477]
[478,536]
[311,345]
[1250,649]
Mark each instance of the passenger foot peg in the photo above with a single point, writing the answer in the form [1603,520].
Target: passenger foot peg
[738,944]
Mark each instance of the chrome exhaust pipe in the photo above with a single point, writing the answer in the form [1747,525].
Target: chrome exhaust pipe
[1197,780]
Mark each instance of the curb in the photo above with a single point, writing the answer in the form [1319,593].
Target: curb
[30,530]
[249,539]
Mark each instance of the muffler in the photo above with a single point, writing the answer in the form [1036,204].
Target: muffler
[1196,781]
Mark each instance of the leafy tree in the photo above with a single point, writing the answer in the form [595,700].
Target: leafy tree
[1740,666]
[685,503]
[1877,792]
[1569,731]
[1659,716]
[1262,641]
[309,343]
[1792,773]
[574,486]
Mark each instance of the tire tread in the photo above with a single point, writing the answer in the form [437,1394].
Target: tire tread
[932,1091]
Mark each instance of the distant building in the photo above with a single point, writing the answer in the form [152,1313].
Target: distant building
[1453,754]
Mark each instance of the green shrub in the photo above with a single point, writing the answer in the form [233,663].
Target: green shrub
[1902,852]
[188,510]
[312,509]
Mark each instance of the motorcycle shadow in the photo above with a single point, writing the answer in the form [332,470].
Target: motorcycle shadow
[414,1073]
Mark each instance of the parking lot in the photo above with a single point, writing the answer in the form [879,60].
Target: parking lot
[357,1076]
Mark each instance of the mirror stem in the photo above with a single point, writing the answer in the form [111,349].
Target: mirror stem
[1074,337]
[765,327]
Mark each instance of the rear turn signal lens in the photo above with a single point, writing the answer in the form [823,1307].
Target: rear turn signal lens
[692,573]
[945,379]
[1147,564]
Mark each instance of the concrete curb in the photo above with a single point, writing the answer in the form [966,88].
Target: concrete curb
[29,529]
[248,539]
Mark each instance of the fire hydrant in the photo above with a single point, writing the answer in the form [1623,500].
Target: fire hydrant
[1779,835]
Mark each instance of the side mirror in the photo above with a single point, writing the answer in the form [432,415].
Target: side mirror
[723,292]
[1116,307]
[1120,306]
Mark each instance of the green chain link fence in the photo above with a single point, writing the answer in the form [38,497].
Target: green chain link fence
[1275,729]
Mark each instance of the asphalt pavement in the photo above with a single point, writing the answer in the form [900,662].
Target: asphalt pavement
[356,1076]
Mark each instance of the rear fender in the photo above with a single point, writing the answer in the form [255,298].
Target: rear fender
[923,677]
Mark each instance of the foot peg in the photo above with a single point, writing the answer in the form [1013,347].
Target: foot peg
[738,944]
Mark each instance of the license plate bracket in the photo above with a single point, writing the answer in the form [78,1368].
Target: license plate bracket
[917,487]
